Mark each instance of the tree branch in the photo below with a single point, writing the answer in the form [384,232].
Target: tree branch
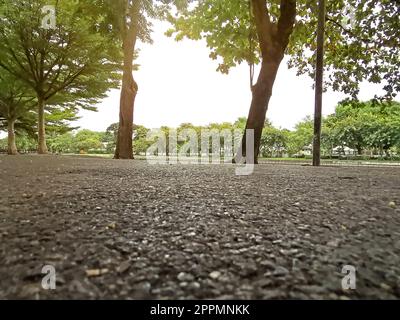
[264,25]
[348,31]
[286,21]
[69,79]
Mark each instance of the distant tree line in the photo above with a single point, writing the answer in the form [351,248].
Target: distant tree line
[365,128]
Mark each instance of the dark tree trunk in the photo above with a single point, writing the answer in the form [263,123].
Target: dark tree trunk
[12,147]
[319,84]
[273,38]
[124,147]
[261,94]
[42,147]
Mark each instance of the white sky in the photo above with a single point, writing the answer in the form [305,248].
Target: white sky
[178,83]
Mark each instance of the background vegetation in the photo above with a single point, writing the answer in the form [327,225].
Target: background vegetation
[368,129]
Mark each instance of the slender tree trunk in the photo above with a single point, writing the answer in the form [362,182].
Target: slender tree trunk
[261,95]
[273,39]
[12,147]
[319,84]
[124,147]
[42,147]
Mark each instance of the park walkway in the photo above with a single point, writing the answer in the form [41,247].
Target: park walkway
[125,229]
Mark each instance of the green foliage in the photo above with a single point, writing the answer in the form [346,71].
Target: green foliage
[365,125]
[240,123]
[302,136]
[110,138]
[64,143]
[70,59]
[86,140]
[368,127]
[82,141]
[140,142]
[361,126]
[3,145]
[68,66]
[274,142]
[58,119]
[25,143]
[16,103]
[225,25]
[367,48]
[115,16]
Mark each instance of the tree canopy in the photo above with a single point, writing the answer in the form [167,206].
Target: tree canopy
[362,38]
[264,31]
[68,62]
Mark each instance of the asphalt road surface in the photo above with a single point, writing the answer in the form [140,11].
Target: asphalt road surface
[126,229]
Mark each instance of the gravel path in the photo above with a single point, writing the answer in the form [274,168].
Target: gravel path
[125,229]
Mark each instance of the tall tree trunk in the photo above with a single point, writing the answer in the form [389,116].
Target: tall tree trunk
[273,38]
[319,84]
[124,147]
[42,147]
[12,147]
[261,95]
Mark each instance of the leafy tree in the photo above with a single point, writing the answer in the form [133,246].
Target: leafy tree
[63,143]
[25,142]
[4,145]
[361,125]
[273,141]
[110,138]
[348,127]
[15,107]
[59,118]
[328,137]
[69,62]
[383,127]
[240,123]
[263,31]
[87,139]
[140,143]
[302,136]
[129,21]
